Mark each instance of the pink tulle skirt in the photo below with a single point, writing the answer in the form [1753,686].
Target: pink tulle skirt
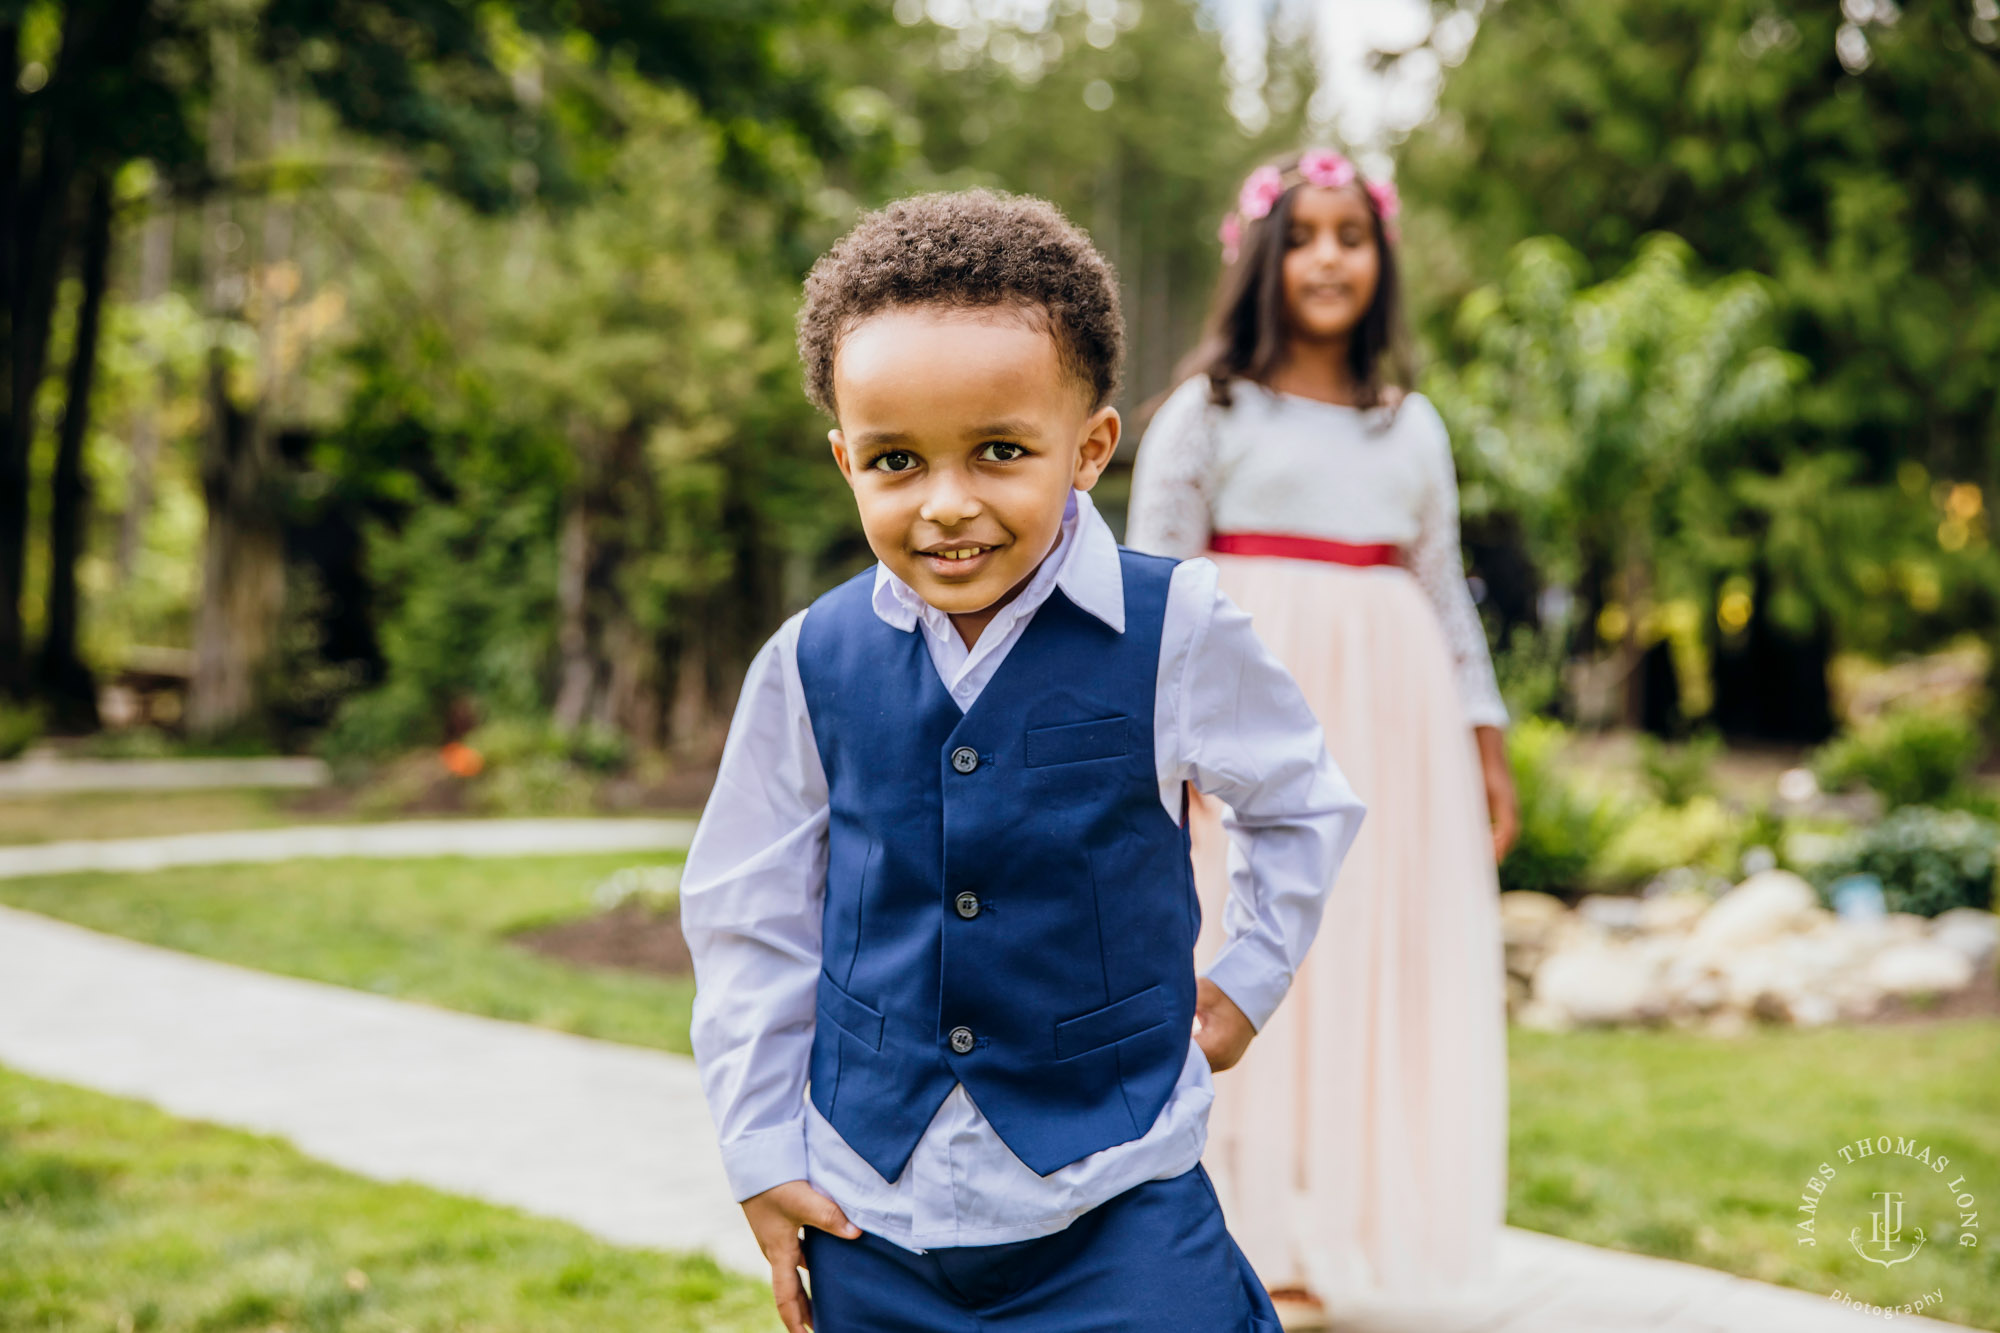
[1360,1146]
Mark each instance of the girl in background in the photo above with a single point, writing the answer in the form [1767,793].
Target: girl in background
[1360,1146]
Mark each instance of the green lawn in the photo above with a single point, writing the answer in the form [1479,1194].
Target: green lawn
[126,814]
[1698,1148]
[114,1216]
[432,929]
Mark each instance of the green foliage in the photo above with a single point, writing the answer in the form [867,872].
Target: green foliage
[1604,414]
[1909,756]
[1929,861]
[1652,839]
[1564,829]
[1529,670]
[19,728]
[1677,774]
[1863,199]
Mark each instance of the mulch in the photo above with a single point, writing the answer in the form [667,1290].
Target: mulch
[628,938]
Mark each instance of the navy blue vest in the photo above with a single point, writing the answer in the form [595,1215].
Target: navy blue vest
[1008,905]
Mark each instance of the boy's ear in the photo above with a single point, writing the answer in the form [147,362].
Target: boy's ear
[1100,441]
[840,455]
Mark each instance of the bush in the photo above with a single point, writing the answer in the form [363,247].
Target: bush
[19,727]
[1678,774]
[1563,831]
[1657,838]
[1908,757]
[1929,861]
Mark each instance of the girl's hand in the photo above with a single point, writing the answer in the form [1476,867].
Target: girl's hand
[775,1218]
[1221,1029]
[1503,808]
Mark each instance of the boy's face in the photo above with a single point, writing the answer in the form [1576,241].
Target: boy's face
[961,436]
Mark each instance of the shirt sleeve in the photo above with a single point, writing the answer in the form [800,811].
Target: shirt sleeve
[750,906]
[1247,736]
[1439,568]
[1169,513]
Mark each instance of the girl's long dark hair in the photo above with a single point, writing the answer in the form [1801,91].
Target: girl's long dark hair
[1247,332]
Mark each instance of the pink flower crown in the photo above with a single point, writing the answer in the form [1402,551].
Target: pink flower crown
[1317,166]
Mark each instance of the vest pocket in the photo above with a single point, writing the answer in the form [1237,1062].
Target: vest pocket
[848,1014]
[1113,1023]
[1076,742]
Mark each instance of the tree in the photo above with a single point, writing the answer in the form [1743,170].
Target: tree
[1606,415]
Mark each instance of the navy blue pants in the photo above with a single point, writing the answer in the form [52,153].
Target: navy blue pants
[1155,1259]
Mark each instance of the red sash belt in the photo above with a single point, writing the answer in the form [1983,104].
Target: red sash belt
[1289,547]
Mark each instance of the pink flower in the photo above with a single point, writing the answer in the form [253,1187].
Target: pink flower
[1387,202]
[1325,168]
[1230,233]
[1260,193]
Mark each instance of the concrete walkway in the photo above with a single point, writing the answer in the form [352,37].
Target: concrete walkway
[43,774]
[613,1138]
[408,838]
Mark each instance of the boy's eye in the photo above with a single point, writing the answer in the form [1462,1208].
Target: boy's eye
[1002,451]
[896,460]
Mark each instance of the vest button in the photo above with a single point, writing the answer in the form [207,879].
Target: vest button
[961,1040]
[965,759]
[967,904]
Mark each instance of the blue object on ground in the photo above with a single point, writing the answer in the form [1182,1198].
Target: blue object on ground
[1858,898]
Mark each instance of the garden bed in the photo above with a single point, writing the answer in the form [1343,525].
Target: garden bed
[631,937]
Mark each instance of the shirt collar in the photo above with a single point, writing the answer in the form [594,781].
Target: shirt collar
[1084,565]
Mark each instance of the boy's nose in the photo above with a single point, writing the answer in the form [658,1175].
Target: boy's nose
[949,501]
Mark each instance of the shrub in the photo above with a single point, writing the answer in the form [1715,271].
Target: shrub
[18,729]
[1678,774]
[1657,838]
[1563,831]
[1908,757]
[1929,861]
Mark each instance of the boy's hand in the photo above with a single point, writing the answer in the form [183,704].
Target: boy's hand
[775,1218]
[1221,1029]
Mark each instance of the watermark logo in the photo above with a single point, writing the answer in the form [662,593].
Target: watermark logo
[1889,1197]
[1887,1231]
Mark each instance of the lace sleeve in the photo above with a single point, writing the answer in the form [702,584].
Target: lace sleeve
[1439,568]
[1172,480]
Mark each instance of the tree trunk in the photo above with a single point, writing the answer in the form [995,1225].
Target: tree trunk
[156,249]
[243,566]
[13,454]
[65,682]
[37,238]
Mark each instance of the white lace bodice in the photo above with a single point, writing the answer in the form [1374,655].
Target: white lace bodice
[1274,462]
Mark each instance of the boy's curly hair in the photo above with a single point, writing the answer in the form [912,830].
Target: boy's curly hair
[968,249]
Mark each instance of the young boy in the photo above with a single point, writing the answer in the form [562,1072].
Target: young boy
[940,904]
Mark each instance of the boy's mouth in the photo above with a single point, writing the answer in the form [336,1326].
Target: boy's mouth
[958,559]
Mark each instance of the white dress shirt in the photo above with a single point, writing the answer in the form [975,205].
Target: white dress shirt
[1226,717]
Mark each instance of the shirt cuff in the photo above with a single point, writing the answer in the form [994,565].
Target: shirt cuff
[769,1157]
[1253,976]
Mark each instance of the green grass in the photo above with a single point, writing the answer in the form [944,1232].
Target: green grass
[1696,1148]
[127,814]
[433,930]
[115,1216]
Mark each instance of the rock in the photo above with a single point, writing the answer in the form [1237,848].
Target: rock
[1528,917]
[1761,908]
[1529,926]
[1603,984]
[1544,1017]
[1970,932]
[1672,913]
[1611,913]
[1920,969]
